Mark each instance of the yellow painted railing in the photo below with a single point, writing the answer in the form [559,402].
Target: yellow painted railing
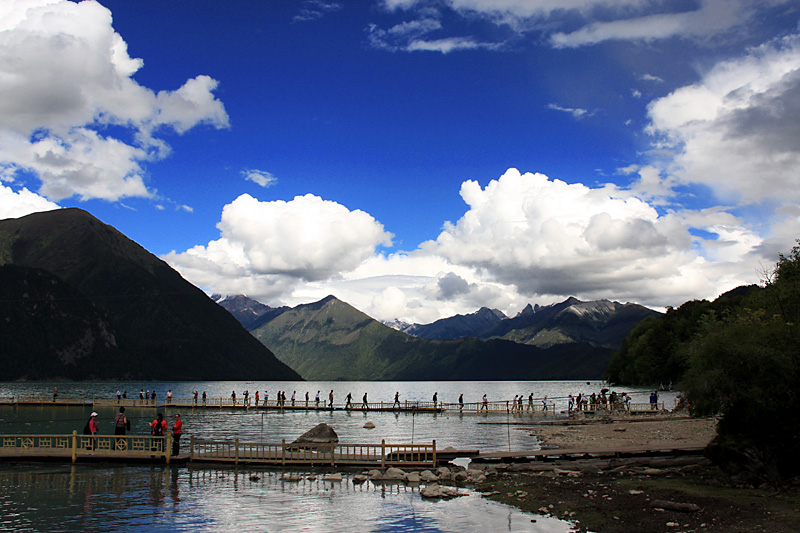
[332,454]
[75,445]
[51,400]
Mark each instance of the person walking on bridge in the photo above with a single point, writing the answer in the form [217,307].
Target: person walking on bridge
[396,399]
[347,400]
[485,403]
[461,402]
[364,404]
[330,400]
[435,399]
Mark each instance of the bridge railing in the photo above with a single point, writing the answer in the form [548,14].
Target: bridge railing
[622,407]
[51,399]
[329,453]
[75,445]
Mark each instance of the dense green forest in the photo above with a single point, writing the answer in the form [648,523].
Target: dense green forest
[738,357]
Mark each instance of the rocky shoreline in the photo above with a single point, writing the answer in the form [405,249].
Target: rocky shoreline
[674,493]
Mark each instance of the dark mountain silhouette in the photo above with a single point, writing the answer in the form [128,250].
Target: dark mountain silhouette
[457,326]
[250,313]
[600,323]
[106,308]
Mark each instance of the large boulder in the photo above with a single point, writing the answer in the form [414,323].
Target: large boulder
[320,434]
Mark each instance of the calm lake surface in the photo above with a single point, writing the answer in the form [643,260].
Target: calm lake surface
[83,497]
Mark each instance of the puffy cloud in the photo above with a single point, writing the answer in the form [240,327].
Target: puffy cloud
[66,76]
[21,203]
[738,129]
[266,248]
[547,237]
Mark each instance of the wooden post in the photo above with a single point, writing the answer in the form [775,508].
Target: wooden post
[168,449]
[236,458]
[191,448]
[333,463]
[283,452]
[383,453]
[74,444]
[434,453]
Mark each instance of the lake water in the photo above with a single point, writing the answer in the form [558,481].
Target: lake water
[180,498]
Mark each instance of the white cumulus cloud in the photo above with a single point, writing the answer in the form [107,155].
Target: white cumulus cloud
[65,75]
[267,248]
[23,202]
[737,130]
[545,236]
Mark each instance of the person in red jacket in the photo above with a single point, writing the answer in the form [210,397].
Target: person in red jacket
[177,430]
[158,428]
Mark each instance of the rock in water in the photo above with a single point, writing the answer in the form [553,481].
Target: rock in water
[320,434]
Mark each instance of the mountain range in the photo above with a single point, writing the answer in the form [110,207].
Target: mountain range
[79,300]
[331,340]
[600,323]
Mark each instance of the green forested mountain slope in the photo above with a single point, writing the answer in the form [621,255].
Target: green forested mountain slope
[331,340]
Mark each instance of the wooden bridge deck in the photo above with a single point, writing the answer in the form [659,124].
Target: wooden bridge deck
[145,448]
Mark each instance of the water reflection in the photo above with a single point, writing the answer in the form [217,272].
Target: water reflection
[120,498]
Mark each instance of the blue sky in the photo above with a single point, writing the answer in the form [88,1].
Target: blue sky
[416,158]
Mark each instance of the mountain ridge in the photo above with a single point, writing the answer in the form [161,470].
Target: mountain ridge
[332,340]
[163,326]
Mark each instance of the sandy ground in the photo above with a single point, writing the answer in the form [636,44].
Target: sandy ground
[628,432]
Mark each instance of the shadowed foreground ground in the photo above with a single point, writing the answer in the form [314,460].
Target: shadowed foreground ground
[636,494]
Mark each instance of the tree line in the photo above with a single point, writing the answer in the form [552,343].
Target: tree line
[737,357]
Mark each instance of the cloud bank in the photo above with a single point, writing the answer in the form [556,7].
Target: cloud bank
[70,112]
